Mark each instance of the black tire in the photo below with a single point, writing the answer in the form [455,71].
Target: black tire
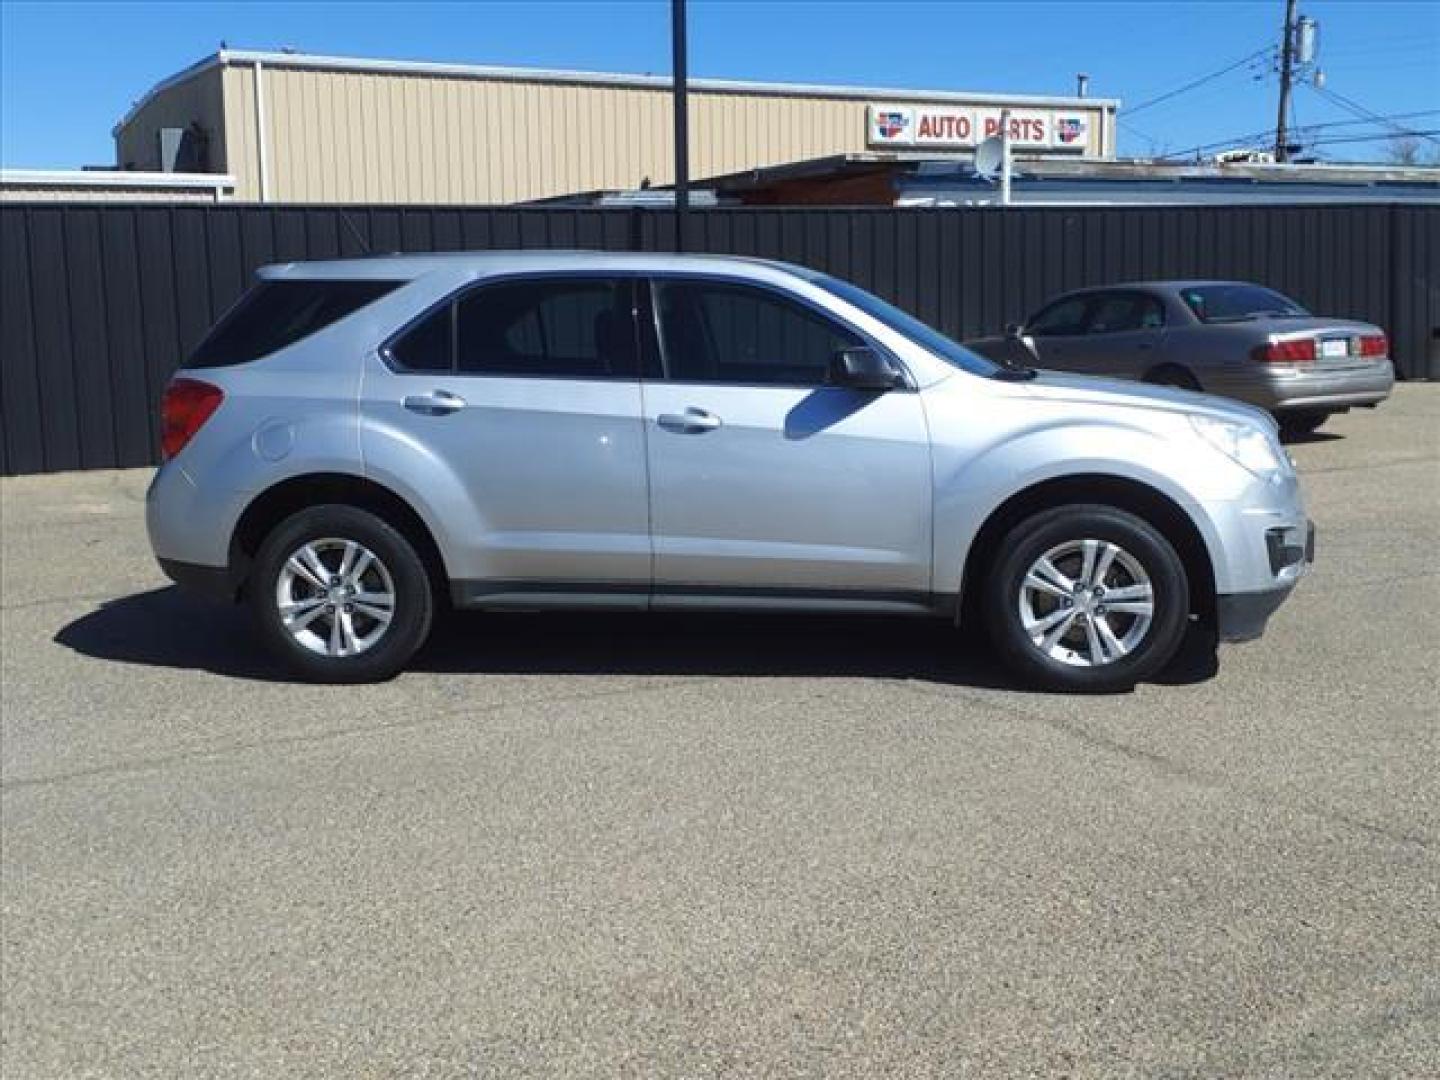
[1173,376]
[1036,536]
[1300,424]
[413,596]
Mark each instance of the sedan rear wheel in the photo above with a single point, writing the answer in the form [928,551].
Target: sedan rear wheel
[1297,425]
[1171,375]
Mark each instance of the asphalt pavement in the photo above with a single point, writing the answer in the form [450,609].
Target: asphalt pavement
[707,846]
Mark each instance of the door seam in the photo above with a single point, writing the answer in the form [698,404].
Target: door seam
[649,493]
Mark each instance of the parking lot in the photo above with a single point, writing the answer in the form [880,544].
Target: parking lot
[605,845]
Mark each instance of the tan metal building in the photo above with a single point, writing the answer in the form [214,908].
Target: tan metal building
[320,129]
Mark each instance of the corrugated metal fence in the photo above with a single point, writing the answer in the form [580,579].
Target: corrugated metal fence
[98,304]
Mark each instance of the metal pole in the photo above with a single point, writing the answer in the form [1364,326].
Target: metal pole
[682,126]
[1005,157]
[1287,68]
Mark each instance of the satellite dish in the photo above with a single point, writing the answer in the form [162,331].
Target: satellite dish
[988,157]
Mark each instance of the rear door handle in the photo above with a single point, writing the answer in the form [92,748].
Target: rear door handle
[435,403]
[691,422]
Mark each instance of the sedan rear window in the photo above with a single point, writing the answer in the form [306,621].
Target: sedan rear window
[275,314]
[1236,303]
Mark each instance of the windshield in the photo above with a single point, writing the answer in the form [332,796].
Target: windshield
[952,352]
[1235,303]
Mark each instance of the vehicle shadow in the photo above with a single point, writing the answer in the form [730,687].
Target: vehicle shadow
[1288,438]
[168,628]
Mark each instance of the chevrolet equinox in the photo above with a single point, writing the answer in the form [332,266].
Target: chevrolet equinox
[358,442]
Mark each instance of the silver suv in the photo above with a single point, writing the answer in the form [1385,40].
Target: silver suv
[358,442]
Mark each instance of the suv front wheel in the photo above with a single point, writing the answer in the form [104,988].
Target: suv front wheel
[1086,597]
[339,595]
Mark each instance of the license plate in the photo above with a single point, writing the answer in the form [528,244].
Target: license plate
[1334,348]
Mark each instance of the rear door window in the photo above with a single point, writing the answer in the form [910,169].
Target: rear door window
[581,328]
[1115,313]
[277,313]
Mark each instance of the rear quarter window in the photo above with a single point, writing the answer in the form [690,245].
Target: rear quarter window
[274,314]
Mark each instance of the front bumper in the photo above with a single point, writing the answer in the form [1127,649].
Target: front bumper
[1242,616]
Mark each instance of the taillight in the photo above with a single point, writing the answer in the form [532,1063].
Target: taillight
[1374,345]
[1294,351]
[187,404]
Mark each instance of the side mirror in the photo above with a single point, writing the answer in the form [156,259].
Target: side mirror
[1013,331]
[864,369]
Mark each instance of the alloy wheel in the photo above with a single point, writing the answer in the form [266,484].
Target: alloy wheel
[1087,603]
[335,597]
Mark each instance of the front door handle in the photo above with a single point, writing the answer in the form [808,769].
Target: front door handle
[435,403]
[691,422]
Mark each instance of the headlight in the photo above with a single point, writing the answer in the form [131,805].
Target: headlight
[1247,445]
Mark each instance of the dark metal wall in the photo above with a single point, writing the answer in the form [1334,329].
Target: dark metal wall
[99,304]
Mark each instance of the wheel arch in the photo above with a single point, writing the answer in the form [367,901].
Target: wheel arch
[1187,377]
[278,502]
[1134,496]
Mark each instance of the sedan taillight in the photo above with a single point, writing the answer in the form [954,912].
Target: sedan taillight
[187,404]
[1294,351]
[1374,345]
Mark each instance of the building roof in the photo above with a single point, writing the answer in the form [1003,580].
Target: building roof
[931,163]
[112,178]
[308,61]
[1042,180]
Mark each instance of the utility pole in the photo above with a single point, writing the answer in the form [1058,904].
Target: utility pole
[1005,157]
[1287,72]
[682,126]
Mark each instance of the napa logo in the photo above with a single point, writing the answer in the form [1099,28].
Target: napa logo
[1069,130]
[890,125]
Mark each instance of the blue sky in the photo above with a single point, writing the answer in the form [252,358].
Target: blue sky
[68,71]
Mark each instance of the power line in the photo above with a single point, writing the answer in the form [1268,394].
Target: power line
[1351,123]
[1154,142]
[1355,108]
[1428,133]
[1201,81]
[1304,132]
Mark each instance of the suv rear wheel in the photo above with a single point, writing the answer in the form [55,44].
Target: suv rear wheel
[340,595]
[1086,597]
